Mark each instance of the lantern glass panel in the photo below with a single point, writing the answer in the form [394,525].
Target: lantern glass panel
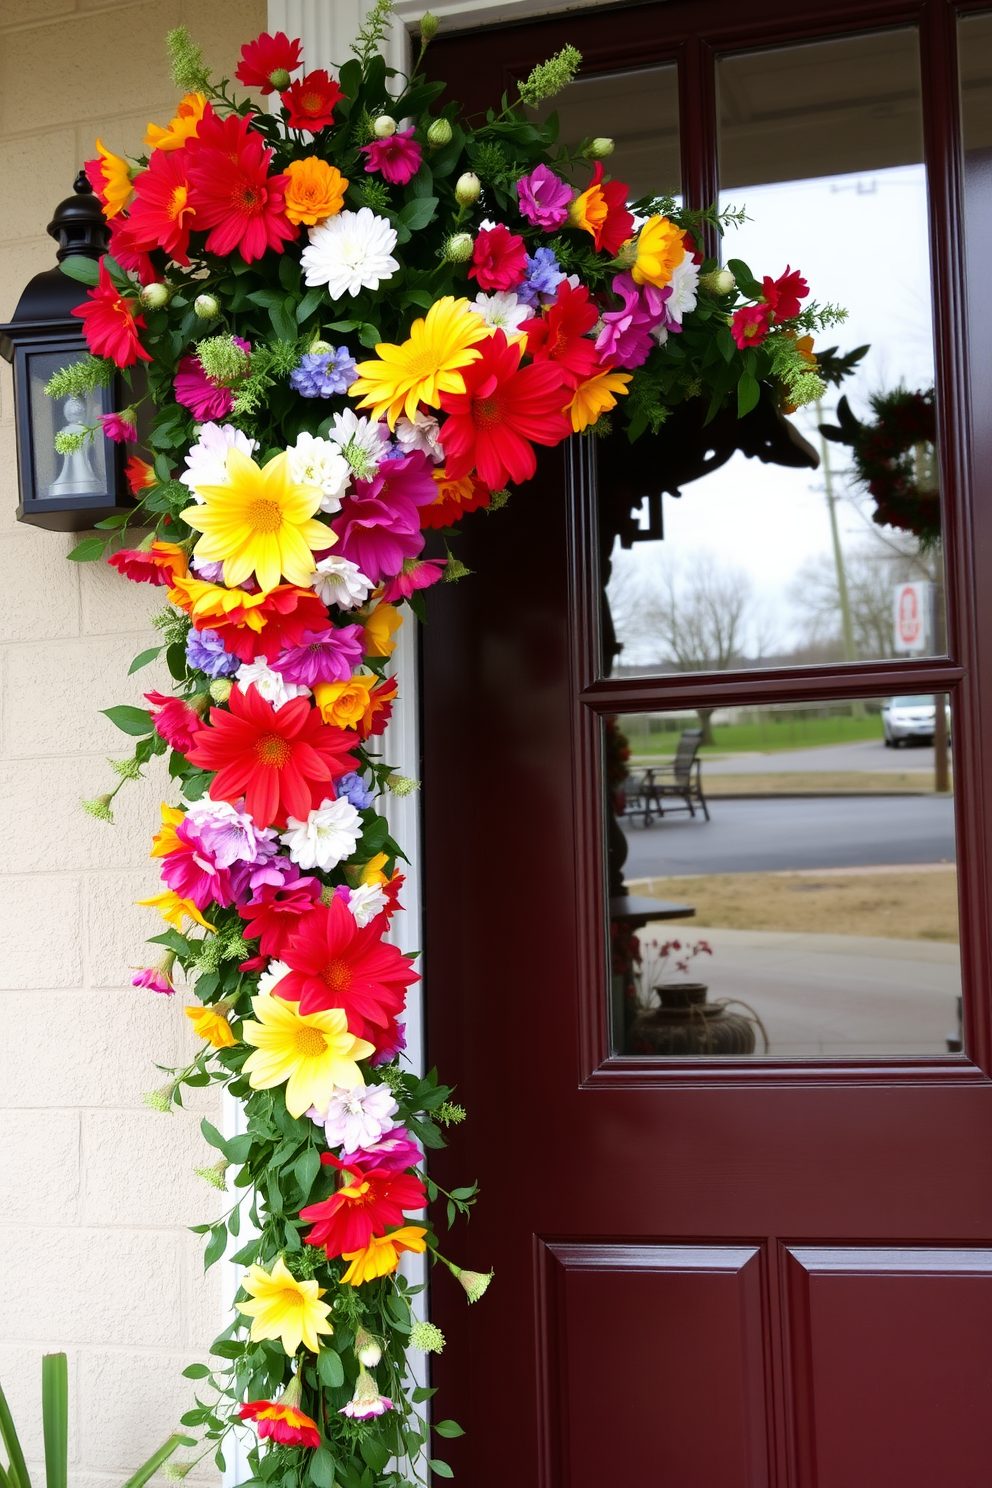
[86,472]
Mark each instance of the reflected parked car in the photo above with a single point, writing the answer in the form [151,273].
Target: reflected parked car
[910,720]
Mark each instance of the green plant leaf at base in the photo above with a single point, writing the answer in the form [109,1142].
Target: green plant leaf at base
[17,1471]
[55,1418]
[155,1461]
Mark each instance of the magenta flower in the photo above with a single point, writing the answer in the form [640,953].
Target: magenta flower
[625,339]
[192,874]
[379,527]
[204,398]
[416,573]
[322,656]
[396,159]
[544,198]
[394,1152]
[155,979]
[118,428]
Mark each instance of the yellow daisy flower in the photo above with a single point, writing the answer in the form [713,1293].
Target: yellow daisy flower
[172,909]
[382,1254]
[116,182]
[165,840]
[424,366]
[309,1054]
[181,128]
[595,396]
[212,1026]
[285,1308]
[380,627]
[659,249]
[260,522]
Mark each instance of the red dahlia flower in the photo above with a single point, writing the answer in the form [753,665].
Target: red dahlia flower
[134,260]
[750,325]
[158,564]
[784,293]
[161,214]
[311,101]
[139,474]
[234,197]
[454,498]
[560,334]
[268,55]
[499,258]
[274,912]
[263,625]
[602,210]
[175,721]
[282,763]
[503,407]
[334,964]
[281,1419]
[368,1202]
[111,323]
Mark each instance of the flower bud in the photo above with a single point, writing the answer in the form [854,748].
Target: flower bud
[279,78]
[720,282]
[384,127]
[207,306]
[320,348]
[439,134]
[467,189]
[367,1350]
[221,689]
[428,27]
[155,296]
[599,148]
[474,1282]
[458,248]
[426,1337]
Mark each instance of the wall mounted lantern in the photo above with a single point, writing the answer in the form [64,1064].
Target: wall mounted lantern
[66,492]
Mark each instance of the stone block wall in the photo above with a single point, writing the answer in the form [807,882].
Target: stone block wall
[96,1191]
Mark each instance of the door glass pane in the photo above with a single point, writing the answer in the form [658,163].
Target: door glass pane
[766,560]
[639,110]
[798,862]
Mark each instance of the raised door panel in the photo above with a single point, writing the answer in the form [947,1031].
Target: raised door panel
[892,1366]
[653,1365]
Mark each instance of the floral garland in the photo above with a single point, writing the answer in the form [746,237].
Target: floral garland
[893,459]
[351,334]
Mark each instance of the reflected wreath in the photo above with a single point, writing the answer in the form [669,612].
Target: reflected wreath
[350,332]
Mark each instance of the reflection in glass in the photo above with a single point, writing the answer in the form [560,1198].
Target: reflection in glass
[84,472]
[639,111]
[789,890]
[765,548]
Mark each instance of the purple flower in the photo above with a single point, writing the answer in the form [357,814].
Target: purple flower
[397,159]
[322,656]
[354,788]
[544,198]
[210,573]
[321,374]
[544,275]
[205,652]
[625,339]
[230,835]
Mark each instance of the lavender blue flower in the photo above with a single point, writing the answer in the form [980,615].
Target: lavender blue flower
[205,652]
[544,274]
[324,373]
[358,793]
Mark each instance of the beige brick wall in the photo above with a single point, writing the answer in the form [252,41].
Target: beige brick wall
[95,1190]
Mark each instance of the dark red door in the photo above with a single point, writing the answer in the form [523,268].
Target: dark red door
[714,1271]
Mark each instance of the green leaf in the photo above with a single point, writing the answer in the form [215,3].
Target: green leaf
[746,282]
[418,213]
[375,1452]
[136,721]
[306,1168]
[216,1246]
[197,1371]
[236,1150]
[55,1418]
[85,270]
[322,1466]
[111,523]
[89,550]
[748,393]
[441,1468]
[213,1136]
[173,940]
[369,335]
[310,302]
[17,1468]
[422,1393]
[143,658]
[149,1468]
[330,1368]
[448,1428]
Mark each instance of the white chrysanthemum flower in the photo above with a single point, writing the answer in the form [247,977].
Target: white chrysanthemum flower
[684,282]
[270,684]
[319,462]
[206,462]
[338,581]
[503,311]
[362,442]
[358,1117]
[272,976]
[422,433]
[328,836]
[366,902]
[350,252]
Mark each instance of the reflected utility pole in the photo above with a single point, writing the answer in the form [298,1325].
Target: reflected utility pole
[847,629]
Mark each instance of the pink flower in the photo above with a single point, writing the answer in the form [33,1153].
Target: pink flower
[118,428]
[175,721]
[544,198]
[379,527]
[195,390]
[416,573]
[192,874]
[396,159]
[322,656]
[499,258]
[394,1152]
[625,339]
[155,979]
[750,325]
